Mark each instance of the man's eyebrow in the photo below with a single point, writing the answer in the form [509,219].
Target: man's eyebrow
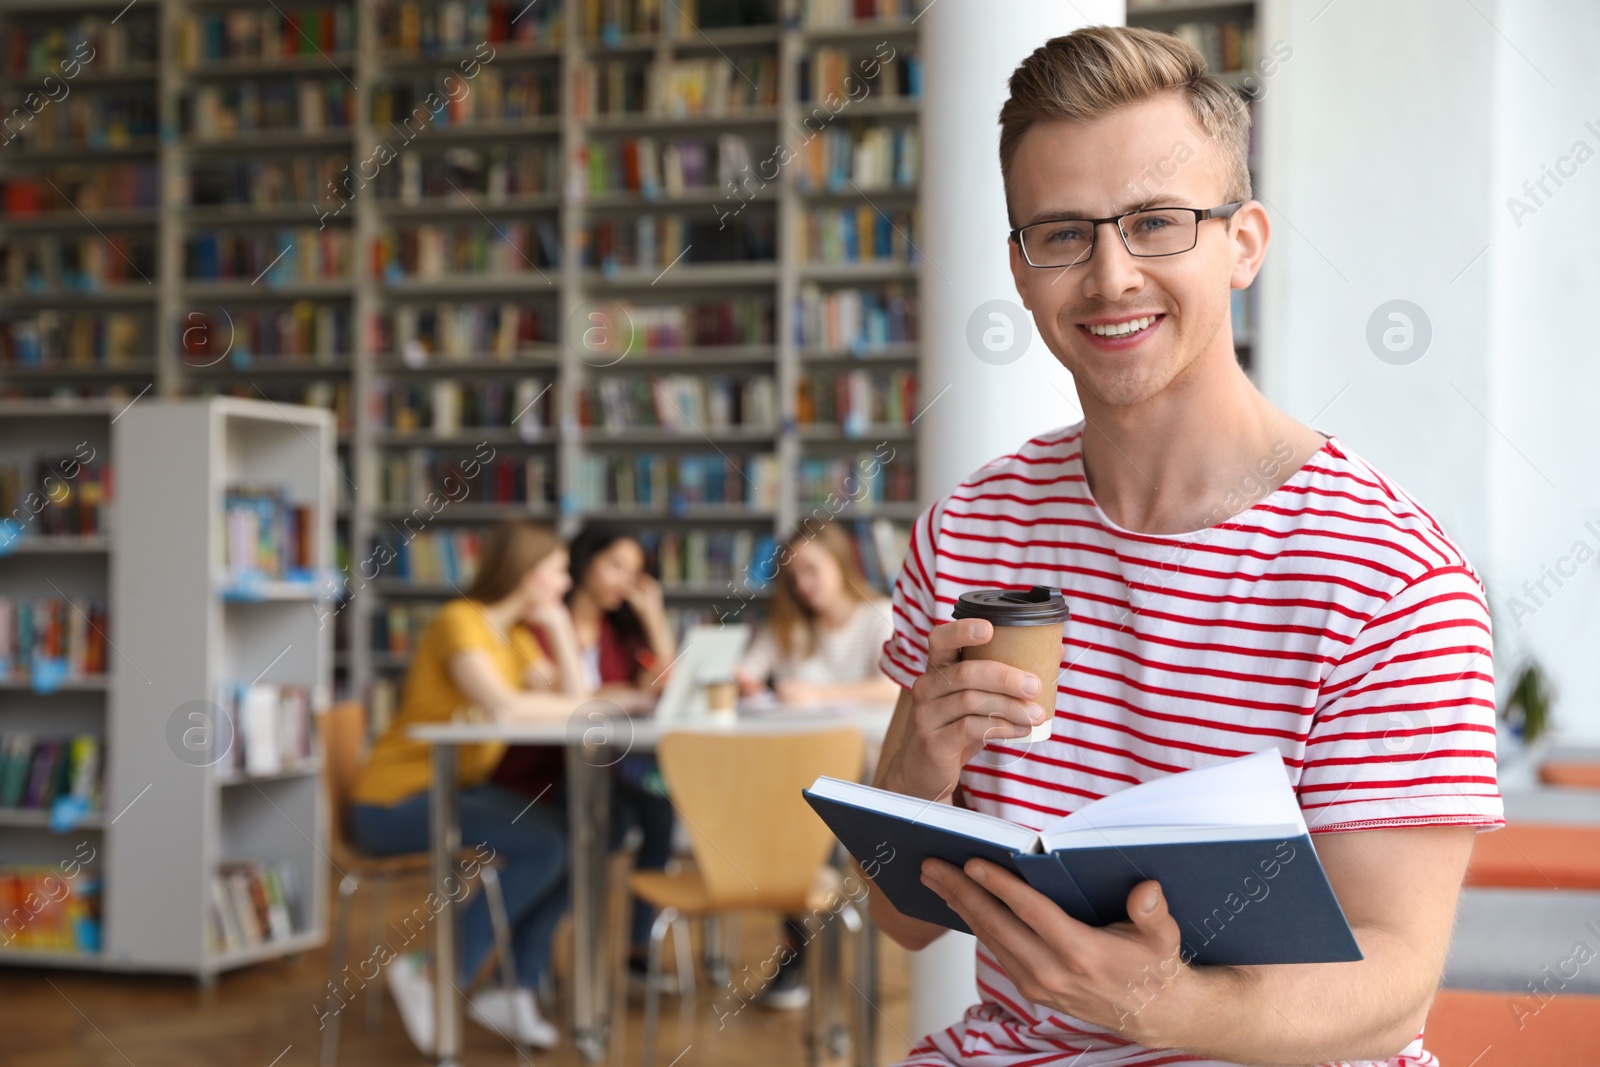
[1054,214]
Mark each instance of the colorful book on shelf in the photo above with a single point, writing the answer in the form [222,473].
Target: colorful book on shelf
[252,903]
[1228,843]
[46,912]
[35,772]
[46,640]
[265,536]
[272,728]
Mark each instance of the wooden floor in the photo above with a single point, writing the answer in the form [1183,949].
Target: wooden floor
[264,1016]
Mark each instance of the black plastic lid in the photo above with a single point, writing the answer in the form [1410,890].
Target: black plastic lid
[1013,607]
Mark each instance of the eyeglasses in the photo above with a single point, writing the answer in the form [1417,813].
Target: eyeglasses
[1161,231]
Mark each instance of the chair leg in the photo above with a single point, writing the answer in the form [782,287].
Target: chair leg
[685,953]
[502,926]
[652,981]
[334,1008]
[376,901]
[817,975]
[836,1034]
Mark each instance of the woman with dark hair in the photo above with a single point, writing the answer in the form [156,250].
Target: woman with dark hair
[625,645]
[481,652]
[821,643]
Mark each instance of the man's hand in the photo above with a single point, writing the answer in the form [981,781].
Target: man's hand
[956,707]
[1125,977]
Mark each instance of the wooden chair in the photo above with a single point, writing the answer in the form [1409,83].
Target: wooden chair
[757,845]
[342,729]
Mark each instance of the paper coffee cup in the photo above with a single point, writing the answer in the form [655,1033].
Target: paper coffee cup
[1027,635]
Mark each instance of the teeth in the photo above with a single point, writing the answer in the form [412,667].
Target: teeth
[1117,330]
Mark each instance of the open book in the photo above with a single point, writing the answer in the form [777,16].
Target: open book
[1227,843]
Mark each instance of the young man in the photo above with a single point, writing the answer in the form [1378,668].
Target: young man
[1237,581]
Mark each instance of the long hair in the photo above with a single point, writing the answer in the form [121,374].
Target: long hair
[592,540]
[794,624]
[508,552]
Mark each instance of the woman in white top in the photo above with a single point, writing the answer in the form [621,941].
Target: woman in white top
[820,645]
[826,629]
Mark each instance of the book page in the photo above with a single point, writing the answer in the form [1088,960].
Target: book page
[1228,799]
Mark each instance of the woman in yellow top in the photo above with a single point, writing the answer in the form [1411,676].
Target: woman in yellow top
[480,652]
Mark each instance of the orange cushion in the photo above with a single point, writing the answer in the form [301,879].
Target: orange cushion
[1482,1029]
[1576,773]
[1535,856]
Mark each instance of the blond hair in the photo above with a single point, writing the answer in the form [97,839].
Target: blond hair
[508,552]
[1098,69]
[794,624]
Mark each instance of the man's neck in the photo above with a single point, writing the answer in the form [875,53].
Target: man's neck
[1205,448]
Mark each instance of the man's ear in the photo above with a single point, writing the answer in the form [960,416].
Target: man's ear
[1250,230]
[1019,271]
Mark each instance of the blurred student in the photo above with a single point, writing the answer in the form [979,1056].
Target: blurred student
[821,644]
[481,652]
[625,643]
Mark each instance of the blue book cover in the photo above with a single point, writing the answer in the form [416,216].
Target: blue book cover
[1227,844]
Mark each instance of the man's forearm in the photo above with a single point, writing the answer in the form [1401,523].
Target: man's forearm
[903,930]
[1291,1013]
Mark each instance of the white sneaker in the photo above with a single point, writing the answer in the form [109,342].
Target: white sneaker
[514,1015]
[413,994]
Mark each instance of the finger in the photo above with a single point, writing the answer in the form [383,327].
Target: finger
[946,641]
[975,713]
[1036,911]
[958,888]
[985,675]
[1147,908]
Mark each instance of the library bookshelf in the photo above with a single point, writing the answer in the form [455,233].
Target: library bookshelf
[653,263]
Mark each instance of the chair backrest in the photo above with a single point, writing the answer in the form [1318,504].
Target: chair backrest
[756,841]
[342,728]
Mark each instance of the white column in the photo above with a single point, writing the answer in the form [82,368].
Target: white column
[988,395]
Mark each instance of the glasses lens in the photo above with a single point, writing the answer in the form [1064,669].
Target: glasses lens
[1159,232]
[1058,244]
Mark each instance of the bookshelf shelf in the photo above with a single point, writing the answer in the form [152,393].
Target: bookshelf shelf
[688,275]
[504,51]
[688,436]
[885,354]
[51,371]
[857,272]
[331,288]
[93,684]
[255,68]
[271,139]
[23,957]
[536,278]
[40,818]
[58,544]
[308,770]
[88,220]
[442,207]
[646,122]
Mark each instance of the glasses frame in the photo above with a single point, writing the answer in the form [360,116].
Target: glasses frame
[1222,211]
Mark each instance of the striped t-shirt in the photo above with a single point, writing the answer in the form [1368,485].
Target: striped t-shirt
[1333,620]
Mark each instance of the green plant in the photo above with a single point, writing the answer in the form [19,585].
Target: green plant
[1528,705]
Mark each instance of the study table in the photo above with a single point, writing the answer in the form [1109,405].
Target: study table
[595,738]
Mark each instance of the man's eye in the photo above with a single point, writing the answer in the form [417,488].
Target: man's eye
[1063,234]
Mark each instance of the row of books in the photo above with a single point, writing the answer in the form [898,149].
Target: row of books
[651,167]
[606,20]
[707,557]
[267,181]
[829,74]
[682,403]
[86,187]
[41,911]
[398,626]
[868,157]
[79,338]
[655,242]
[449,406]
[423,334]
[879,547]
[332,396]
[60,495]
[433,557]
[45,639]
[857,319]
[861,234]
[238,109]
[1229,44]
[253,903]
[659,482]
[615,328]
[265,535]
[856,400]
[302,332]
[71,263]
[278,31]
[34,49]
[820,14]
[63,392]
[491,174]
[408,477]
[430,251]
[424,27]
[90,117]
[408,107]
[273,257]
[677,88]
[35,771]
[861,479]
[272,729]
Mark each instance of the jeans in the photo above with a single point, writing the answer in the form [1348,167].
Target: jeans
[530,843]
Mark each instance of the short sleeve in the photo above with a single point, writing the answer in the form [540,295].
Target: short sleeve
[915,608]
[1404,733]
[460,626]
